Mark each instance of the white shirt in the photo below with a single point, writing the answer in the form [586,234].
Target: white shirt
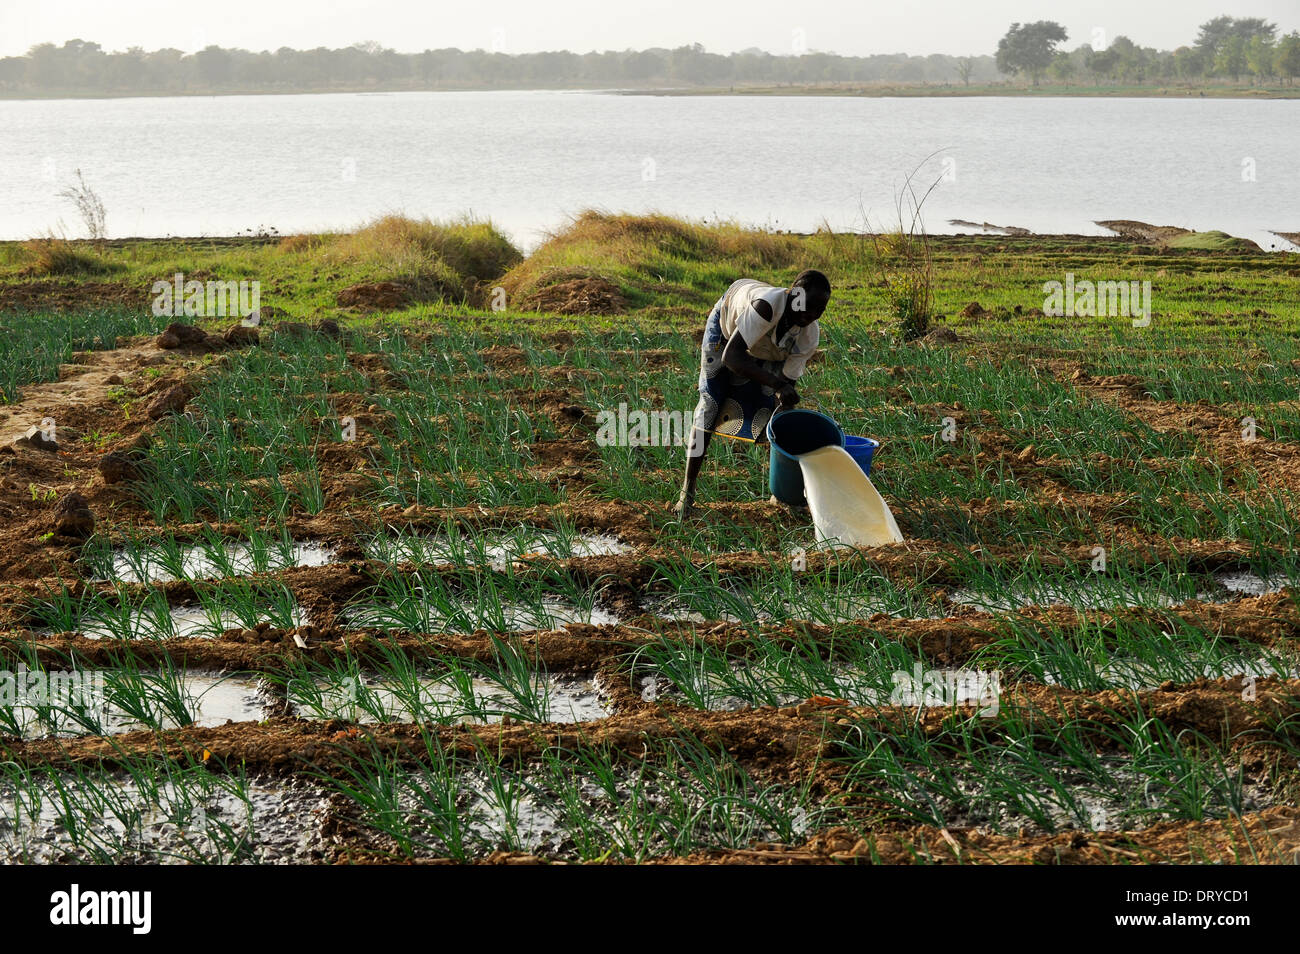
[738,314]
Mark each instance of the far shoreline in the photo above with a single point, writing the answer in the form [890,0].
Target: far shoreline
[1117,232]
[921,91]
[865,91]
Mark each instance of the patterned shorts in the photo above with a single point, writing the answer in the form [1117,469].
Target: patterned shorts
[731,405]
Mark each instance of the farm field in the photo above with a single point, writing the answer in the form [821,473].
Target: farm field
[362,585]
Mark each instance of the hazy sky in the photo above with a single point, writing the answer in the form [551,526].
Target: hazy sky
[855,27]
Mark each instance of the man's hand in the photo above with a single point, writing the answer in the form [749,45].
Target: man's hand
[736,357]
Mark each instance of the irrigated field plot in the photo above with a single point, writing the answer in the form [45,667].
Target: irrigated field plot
[378,593]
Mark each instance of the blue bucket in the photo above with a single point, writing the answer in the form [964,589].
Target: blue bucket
[792,433]
[861,449]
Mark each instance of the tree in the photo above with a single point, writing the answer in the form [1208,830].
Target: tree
[910,72]
[127,71]
[12,69]
[1188,63]
[696,66]
[1250,27]
[214,65]
[1029,48]
[1212,35]
[1238,47]
[1286,58]
[1101,63]
[1231,58]
[643,65]
[1259,57]
[44,68]
[1218,43]
[1062,68]
[1131,60]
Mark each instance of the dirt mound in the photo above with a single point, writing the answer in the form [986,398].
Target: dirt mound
[194,340]
[56,296]
[990,227]
[941,334]
[325,328]
[116,467]
[1173,237]
[240,335]
[73,517]
[179,335]
[974,310]
[170,401]
[1143,231]
[591,295]
[376,296]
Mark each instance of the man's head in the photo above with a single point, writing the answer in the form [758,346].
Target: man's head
[809,294]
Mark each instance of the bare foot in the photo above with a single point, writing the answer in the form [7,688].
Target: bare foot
[773,500]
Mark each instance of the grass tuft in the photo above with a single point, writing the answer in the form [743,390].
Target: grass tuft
[435,259]
[59,257]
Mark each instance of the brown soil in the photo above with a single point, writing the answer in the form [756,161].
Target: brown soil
[989,227]
[942,335]
[375,296]
[505,358]
[99,406]
[786,741]
[1268,837]
[61,296]
[82,389]
[564,453]
[1268,620]
[577,296]
[1142,231]
[1277,462]
[787,744]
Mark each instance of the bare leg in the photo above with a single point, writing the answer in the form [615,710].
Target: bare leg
[694,461]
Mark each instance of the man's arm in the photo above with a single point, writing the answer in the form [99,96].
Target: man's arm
[736,357]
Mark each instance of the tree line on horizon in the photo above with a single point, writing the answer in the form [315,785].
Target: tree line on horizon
[1226,48]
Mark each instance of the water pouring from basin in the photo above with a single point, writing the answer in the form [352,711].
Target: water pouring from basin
[811,465]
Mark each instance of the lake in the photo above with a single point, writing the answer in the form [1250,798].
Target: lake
[528,160]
